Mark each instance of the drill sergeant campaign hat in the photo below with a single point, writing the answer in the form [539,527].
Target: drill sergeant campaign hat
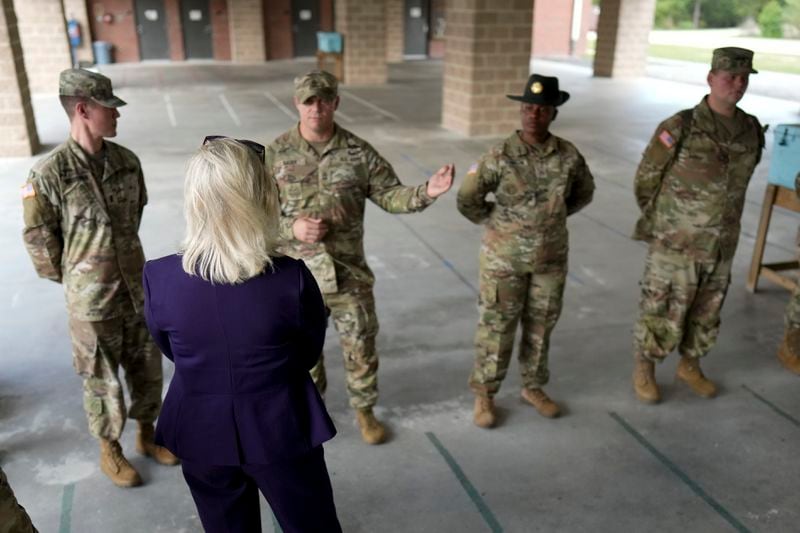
[542,90]
[88,84]
[316,83]
[733,59]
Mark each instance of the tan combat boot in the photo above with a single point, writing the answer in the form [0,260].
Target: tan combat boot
[689,372]
[484,414]
[541,401]
[115,466]
[644,380]
[146,446]
[372,431]
[788,350]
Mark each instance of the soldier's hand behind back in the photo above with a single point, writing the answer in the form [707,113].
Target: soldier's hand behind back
[441,182]
[309,230]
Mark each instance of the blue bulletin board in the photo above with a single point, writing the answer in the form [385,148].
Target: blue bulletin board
[785,163]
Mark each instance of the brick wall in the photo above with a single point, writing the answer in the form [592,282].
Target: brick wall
[43,34]
[121,32]
[552,25]
[278,28]
[246,19]
[326,15]
[220,34]
[17,127]
[363,24]
[172,12]
[488,48]
[395,21]
[76,9]
[622,34]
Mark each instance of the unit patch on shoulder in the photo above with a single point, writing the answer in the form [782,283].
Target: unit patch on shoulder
[27,191]
[666,139]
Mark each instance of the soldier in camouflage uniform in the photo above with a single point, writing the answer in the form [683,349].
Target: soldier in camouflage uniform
[13,517]
[789,350]
[537,180]
[325,174]
[82,206]
[690,187]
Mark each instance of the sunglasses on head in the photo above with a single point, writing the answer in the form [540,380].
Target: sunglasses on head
[254,146]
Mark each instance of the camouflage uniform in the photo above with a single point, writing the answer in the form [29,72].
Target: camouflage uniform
[690,186]
[13,517]
[81,229]
[334,186]
[523,257]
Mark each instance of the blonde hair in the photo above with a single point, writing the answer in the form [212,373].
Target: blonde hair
[231,209]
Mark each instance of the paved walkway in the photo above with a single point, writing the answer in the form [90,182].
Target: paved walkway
[610,464]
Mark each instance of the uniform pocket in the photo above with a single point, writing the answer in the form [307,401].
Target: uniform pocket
[93,405]
[488,293]
[80,203]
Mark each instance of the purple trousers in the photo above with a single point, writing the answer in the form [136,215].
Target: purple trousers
[298,490]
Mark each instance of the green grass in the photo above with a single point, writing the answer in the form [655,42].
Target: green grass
[762,61]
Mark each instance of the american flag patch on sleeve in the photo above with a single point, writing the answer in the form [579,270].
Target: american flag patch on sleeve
[27,191]
[666,139]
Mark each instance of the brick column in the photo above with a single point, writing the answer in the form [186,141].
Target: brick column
[43,33]
[395,39]
[622,34]
[363,24]
[487,55]
[77,9]
[17,127]
[246,20]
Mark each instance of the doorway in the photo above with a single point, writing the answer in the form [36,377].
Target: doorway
[151,26]
[196,23]
[305,25]
[416,28]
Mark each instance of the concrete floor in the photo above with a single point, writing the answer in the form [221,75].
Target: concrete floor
[610,464]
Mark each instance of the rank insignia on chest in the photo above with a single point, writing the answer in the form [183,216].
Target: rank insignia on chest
[27,191]
[666,139]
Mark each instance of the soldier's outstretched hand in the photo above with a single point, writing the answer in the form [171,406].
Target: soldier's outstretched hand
[441,182]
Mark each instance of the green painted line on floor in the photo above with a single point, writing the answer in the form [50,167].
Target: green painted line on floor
[672,467]
[66,508]
[483,509]
[772,406]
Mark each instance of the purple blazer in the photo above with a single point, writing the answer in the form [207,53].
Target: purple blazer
[241,393]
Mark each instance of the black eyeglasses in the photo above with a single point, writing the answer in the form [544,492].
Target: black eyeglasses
[254,146]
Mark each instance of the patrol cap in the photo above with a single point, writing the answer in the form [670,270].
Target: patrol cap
[88,84]
[316,83]
[733,59]
[542,90]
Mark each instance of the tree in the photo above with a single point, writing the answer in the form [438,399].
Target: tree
[770,20]
[791,13]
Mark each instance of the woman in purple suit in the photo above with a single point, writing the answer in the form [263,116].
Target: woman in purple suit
[243,327]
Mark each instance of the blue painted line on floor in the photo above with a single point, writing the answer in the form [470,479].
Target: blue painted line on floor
[575,278]
[611,229]
[67,498]
[672,467]
[483,508]
[442,258]
[426,172]
[772,406]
